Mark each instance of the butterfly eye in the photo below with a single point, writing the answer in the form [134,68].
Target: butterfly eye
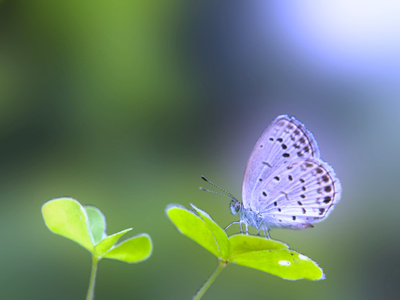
[235,206]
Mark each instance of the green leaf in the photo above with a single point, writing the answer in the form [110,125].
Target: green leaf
[97,222]
[286,264]
[133,250]
[193,227]
[220,235]
[68,218]
[106,243]
[243,243]
[256,252]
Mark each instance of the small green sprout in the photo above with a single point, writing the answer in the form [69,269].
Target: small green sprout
[86,225]
[256,252]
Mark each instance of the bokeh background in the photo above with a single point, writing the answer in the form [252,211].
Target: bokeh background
[124,104]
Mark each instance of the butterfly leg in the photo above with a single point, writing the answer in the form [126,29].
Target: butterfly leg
[266,231]
[232,224]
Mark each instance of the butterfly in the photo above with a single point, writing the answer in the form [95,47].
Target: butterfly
[286,184]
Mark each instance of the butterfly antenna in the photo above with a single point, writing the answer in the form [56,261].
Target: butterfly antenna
[213,192]
[225,193]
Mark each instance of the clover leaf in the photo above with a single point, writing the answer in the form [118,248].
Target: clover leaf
[256,252]
[86,225]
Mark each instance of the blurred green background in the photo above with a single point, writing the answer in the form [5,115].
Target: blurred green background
[124,104]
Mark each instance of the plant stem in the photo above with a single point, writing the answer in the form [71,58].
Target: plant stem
[90,293]
[222,264]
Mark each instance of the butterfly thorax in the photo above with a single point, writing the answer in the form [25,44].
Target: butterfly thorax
[251,218]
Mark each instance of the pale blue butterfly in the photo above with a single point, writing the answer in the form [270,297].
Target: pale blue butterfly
[286,183]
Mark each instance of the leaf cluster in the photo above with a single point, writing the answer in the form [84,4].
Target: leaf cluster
[86,225]
[256,252]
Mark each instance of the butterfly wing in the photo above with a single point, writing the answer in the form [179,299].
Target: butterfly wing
[284,140]
[298,194]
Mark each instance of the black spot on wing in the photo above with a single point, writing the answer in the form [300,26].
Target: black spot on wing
[327,199]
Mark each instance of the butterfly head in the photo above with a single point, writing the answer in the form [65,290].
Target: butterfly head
[236,206]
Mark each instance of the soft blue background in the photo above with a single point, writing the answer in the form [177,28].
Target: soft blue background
[124,104]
